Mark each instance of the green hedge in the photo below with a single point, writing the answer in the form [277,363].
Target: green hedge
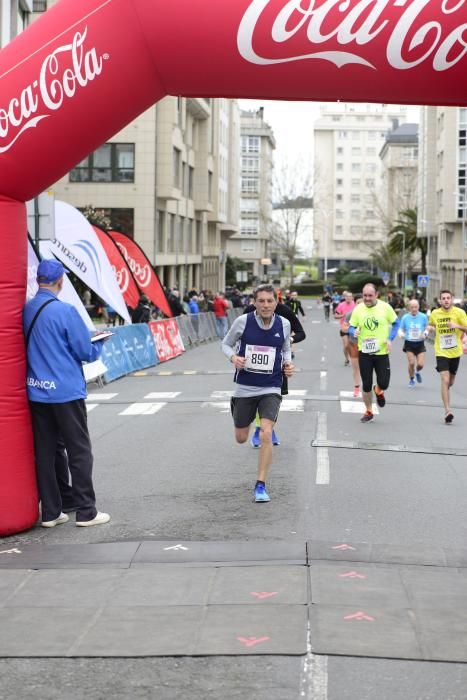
[355,282]
[308,289]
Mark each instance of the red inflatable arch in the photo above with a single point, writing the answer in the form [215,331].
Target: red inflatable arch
[61,79]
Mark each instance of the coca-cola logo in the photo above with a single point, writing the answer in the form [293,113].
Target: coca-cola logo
[411,38]
[142,273]
[123,278]
[63,72]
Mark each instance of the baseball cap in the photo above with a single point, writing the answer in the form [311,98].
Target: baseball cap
[49,271]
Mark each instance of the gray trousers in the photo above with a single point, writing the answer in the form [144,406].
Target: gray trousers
[68,421]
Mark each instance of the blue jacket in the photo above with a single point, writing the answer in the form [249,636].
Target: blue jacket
[59,343]
[193,305]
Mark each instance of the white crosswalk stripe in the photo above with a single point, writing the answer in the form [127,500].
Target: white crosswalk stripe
[163,395]
[101,397]
[142,409]
[356,407]
[293,405]
[91,406]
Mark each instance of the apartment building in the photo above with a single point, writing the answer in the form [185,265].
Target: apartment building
[251,243]
[14,18]
[442,196]
[399,178]
[348,176]
[168,180]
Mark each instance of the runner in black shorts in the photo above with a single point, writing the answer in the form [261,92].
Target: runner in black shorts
[414,329]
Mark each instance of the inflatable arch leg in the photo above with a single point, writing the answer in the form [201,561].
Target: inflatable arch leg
[18,495]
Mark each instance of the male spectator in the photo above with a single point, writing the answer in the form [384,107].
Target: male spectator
[258,345]
[220,307]
[57,342]
[449,324]
[175,303]
[142,313]
[295,304]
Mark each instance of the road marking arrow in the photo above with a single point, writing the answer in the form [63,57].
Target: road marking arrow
[176,548]
[352,574]
[263,594]
[11,551]
[359,616]
[344,546]
[252,641]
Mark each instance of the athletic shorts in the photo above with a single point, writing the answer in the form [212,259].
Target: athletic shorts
[417,347]
[379,364]
[244,408]
[447,364]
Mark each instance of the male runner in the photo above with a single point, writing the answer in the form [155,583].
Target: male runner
[375,324]
[449,324]
[296,336]
[344,307]
[262,353]
[414,329]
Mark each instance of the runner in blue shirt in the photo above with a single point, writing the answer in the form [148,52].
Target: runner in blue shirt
[414,329]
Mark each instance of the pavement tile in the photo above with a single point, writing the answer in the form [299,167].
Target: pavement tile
[340,584]
[165,585]
[41,631]
[389,633]
[60,556]
[9,581]
[264,585]
[339,551]
[238,630]
[174,552]
[404,554]
[456,557]
[443,634]
[60,588]
[435,588]
[143,631]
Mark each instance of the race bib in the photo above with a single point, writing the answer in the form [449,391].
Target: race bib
[414,334]
[448,342]
[370,345]
[260,359]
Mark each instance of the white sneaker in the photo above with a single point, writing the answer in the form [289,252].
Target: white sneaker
[62,518]
[100,519]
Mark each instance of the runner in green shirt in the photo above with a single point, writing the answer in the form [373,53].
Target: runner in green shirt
[375,324]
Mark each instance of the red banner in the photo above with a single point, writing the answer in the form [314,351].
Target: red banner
[167,339]
[142,271]
[120,267]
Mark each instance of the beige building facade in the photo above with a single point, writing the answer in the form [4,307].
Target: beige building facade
[169,180]
[15,16]
[348,173]
[251,243]
[442,198]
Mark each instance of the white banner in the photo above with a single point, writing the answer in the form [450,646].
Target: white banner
[68,293]
[77,246]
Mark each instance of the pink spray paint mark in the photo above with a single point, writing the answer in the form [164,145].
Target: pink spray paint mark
[360,616]
[344,546]
[252,641]
[352,574]
[261,595]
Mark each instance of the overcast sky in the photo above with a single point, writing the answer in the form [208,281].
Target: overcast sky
[292,123]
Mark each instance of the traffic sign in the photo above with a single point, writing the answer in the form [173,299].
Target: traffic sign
[422,281]
[386,277]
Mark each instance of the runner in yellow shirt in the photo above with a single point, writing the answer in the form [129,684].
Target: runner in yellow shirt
[449,324]
[375,324]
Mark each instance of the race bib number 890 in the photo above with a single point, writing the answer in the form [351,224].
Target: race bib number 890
[260,359]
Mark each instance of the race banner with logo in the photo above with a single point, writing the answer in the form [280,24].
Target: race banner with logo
[68,293]
[77,246]
[122,272]
[167,339]
[146,279]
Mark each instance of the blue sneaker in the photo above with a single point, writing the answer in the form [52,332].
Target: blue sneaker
[412,382]
[261,495]
[255,439]
[418,377]
[275,439]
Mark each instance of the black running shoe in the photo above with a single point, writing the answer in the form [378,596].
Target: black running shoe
[448,418]
[380,400]
[367,417]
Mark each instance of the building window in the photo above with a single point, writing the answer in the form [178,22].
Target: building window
[171,234]
[112,162]
[191,175]
[160,232]
[248,247]
[177,167]
[122,220]
[339,197]
[340,151]
[356,167]
[39,5]
[356,151]
[355,198]
[355,182]
[250,164]
[342,134]
[209,186]
[249,227]
[250,184]
[250,144]
[339,182]
[249,205]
